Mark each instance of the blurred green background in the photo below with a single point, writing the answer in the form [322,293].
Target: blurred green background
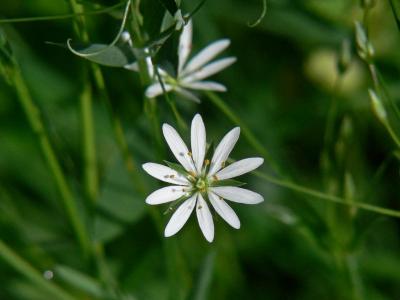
[292,246]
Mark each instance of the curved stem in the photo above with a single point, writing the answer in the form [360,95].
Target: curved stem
[61,17]
[251,138]
[319,195]
[68,201]
[27,270]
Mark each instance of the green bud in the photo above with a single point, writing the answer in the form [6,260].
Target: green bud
[368,3]
[344,56]
[349,192]
[377,106]
[364,47]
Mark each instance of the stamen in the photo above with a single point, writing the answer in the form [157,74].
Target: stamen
[215,177]
[189,154]
[207,162]
[223,164]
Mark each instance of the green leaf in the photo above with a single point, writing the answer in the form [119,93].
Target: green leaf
[80,281]
[395,6]
[111,56]
[118,205]
[204,278]
[177,167]
[228,182]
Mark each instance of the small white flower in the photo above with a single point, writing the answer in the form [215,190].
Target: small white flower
[190,74]
[201,182]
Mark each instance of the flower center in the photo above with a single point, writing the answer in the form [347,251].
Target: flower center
[201,185]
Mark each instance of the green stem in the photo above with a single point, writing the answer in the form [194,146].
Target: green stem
[27,270]
[170,102]
[60,17]
[393,135]
[329,127]
[89,142]
[355,277]
[34,118]
[253,141]
[88,137]
[119,133]
[319,195]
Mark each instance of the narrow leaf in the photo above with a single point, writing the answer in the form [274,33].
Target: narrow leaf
[113,56]
[228,182]
[177,167]
[80,281]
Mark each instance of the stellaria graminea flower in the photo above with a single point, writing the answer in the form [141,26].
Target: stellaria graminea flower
[200,181]
[190,74]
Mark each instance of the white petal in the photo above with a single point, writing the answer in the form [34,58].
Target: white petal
[166,194]
[155,90]
[178,147]
[185,45]
[224,210]
[188,95]
[223,150]
[165,173]
[210,69]
[206,55]
[239,168]
[238,195]
[198,140]
[132,67]
[180,216]
[205,85]
[205,219]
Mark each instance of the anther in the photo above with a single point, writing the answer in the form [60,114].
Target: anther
[189,154]
[207,162]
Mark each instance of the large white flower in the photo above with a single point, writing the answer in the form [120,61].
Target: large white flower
[200,181]
[190,74]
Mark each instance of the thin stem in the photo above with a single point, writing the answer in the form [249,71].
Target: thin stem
[27,270]
[88,134]
[119,133]
[319,195]
[171,103]
[68,201]
[331,114]
[60,17]
[253,141]
[393,135]
[89,142]
[355,278]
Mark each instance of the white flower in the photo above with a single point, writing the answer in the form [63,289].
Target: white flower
[200,181]
[190,74]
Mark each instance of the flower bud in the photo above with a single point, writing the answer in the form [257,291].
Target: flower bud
[344,59]
[368,3]
[377,106]
[180,21]
[364,47]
